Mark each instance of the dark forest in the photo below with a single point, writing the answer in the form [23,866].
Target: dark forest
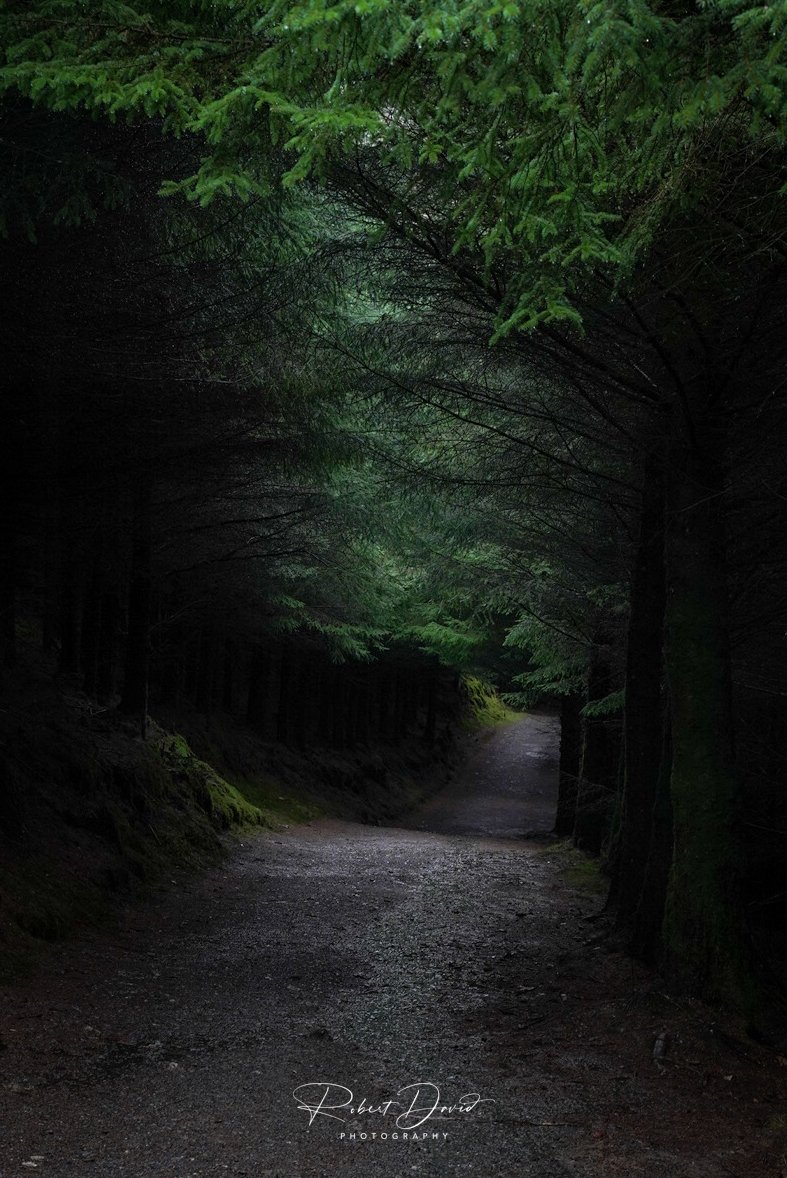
[393,433]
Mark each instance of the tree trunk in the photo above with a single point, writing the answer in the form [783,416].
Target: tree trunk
[228,675]
[108,635]
[401,689]
[14,492]
[704,938]
[412,699]
[206,669]
[8,565]
[91,627]
[600,754]
[259,686]
[386,690]
[643,718]
[325,717]
[70,607]
[570,758]
[645,939]
[297,700]
[430,723]
[338,703]
[69,579]
[282,709]
[135,687]
[372,705]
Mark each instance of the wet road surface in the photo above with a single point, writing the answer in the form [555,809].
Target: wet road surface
[449,953]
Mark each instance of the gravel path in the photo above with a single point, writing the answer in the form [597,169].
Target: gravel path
[451,953]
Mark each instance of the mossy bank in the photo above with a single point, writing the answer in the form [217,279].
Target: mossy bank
[91,815]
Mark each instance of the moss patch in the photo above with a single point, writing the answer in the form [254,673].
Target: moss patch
[236,799]
[580,871]
[290,785]
[484,706]
[225,805]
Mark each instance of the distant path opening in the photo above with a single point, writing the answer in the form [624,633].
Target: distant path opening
[507,788]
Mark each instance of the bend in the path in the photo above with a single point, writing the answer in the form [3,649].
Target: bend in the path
[373,958]
[507,787]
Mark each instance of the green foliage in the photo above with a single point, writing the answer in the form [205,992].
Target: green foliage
[565,133]
[610,705]
[554,138]
[485,707]
[224,803]
[558,660]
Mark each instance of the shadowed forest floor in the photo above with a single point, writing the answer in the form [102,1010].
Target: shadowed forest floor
[451,951]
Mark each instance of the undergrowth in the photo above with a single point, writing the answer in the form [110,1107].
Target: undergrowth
[91,815]
[485,707]
[580,871]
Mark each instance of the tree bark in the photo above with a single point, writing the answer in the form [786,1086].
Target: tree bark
[646,934]
[704,940]
[8,571]
[91,626]
[206,670]
[386,691]
[282,709]
[430,723]
[108,635]
[228,675]
[338,703]
[643,717]
[297,700]
[600,756]
[257,700]
[570,758]
[135,687]
[70,608]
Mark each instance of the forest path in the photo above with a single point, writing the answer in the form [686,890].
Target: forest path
[375,958]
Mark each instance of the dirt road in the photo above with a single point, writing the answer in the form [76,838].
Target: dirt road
[350,963]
